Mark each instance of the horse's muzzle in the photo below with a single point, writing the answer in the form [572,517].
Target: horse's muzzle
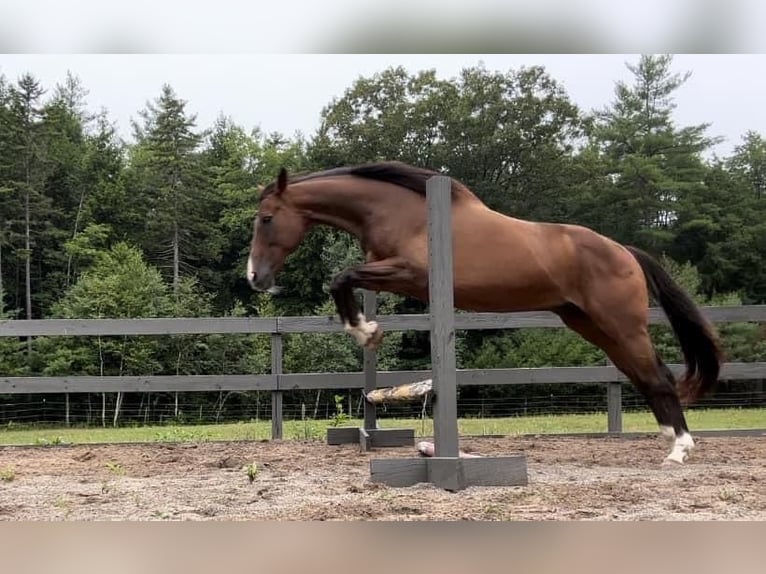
[261,280]
[263,283]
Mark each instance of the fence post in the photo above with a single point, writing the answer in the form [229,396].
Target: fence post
[370,362]
[444,465]
[276,396]
[441,310]
[613,404]
[614,407]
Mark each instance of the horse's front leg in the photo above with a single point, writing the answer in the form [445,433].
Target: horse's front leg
[386,275]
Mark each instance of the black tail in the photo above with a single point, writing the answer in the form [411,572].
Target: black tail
[698,341]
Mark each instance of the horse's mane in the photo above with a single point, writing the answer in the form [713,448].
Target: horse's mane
[396,172]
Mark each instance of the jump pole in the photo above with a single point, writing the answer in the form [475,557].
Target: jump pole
[446,469]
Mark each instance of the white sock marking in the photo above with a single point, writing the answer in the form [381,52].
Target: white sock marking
[363,331]
[682,446]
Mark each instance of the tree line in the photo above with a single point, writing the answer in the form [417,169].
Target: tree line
[94,226]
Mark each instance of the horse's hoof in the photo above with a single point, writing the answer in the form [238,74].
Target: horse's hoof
[375,339]
[671,463]
[674,459]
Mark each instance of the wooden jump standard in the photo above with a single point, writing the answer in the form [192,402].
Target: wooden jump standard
[446,468]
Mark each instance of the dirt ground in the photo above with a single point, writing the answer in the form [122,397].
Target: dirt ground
[569,479]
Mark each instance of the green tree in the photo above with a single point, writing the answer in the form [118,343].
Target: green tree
[720,227]
[65,123]
[11,362]
[173,188]
[652,163]
[25,132]
[239,164]
[509,136]
[748,162]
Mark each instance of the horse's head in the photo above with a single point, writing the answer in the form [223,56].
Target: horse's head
[278,229]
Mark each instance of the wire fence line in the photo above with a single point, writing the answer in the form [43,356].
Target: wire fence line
[257,406]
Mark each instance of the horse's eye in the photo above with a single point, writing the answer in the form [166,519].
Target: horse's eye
[267,218]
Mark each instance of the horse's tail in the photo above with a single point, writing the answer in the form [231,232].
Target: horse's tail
[699,342]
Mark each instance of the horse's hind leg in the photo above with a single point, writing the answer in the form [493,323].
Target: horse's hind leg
[634,354]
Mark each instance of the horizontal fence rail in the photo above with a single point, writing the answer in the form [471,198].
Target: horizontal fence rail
[353,380]
[324,324]
[278,382]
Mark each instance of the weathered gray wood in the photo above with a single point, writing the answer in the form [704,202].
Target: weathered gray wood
[149,326]
[451,473]
[518,320]
[373,438]
[514,320]
[459,473]
[316,381]
[517,376]
[399,472]
[323,324]
[738,371]
[392,437]
[313,324]
[418,322]
[370,362]
[442,311]
[446,473]
[313,381]
[614,407]
[342,435]
[276,396]
[547,375]
[724,314]
[495,471]
[154,383]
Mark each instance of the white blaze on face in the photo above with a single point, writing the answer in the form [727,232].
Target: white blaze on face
[250,271]
[250,267]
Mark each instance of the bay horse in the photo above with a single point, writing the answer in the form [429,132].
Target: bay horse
[598,287]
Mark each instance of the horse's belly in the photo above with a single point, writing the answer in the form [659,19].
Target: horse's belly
[504,299]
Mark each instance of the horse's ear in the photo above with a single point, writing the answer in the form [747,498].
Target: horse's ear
[282,180]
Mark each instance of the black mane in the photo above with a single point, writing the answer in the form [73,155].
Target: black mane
[396,172]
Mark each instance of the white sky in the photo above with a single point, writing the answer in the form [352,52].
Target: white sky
[286,92]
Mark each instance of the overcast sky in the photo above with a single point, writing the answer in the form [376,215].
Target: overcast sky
[286,92]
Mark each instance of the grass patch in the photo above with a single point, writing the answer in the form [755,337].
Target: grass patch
[699,419]
[7,474]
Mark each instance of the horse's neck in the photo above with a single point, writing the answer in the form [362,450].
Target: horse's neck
[335,204]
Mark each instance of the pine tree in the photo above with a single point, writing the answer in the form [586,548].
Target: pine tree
[652,163]
[27,175]
[172,186]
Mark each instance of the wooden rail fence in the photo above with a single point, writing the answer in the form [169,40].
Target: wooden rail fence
[278,382]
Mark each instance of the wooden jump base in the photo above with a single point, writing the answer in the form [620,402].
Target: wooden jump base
[368,437]
[376,437]
[373,437]
[443,464]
